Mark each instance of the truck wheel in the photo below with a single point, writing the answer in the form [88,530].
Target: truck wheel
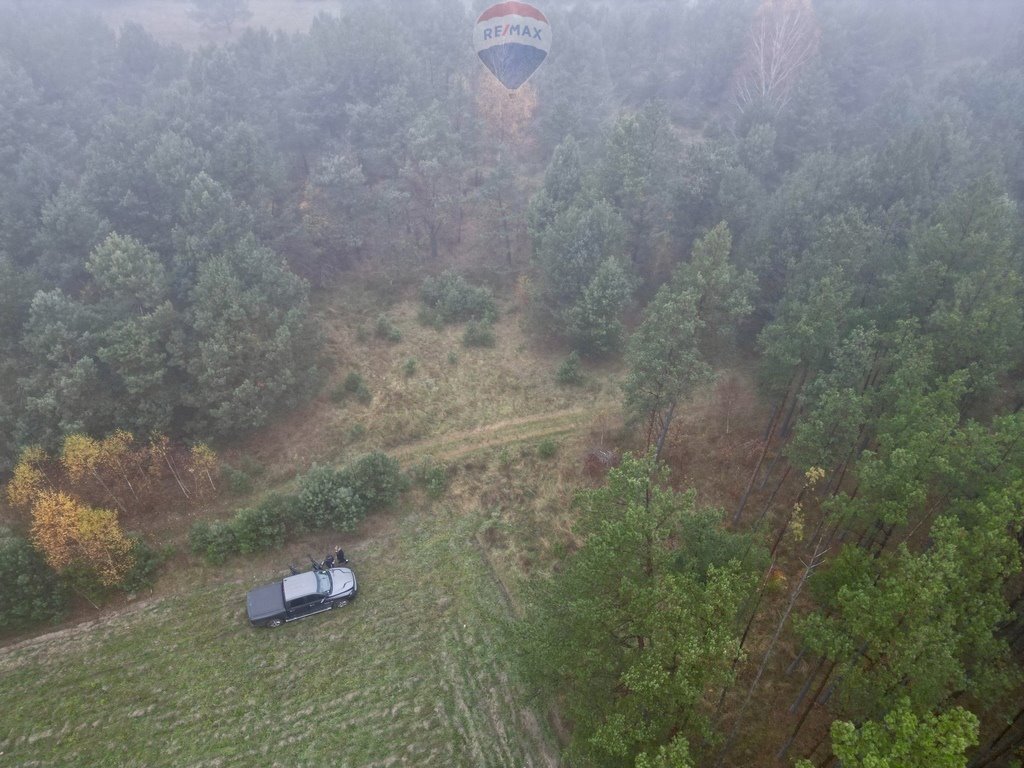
[274,623]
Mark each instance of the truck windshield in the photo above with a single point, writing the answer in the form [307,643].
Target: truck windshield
[323,583]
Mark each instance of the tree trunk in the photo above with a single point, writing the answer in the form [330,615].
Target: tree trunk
[666,423]
[806,686]
[760,460]
[814,561]
[784,749]
[771,499]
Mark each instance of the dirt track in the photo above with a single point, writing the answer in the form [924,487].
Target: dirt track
[457,445]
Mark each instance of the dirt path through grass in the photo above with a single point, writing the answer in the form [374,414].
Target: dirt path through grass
[458,445]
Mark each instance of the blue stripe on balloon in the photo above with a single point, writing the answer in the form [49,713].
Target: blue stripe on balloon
[512,63]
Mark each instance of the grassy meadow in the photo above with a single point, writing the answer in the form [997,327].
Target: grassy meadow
[411,673]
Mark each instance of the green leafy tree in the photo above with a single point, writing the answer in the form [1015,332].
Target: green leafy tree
[340,213]
[686,321]
[432,177]
[572,249]
[32,592]
[922,626]
[209,223]
[253,347]
[69,228]
[64,388]
[594,323]
[640,623]
[563,182]
[635,176]
[138,325]
[904,740]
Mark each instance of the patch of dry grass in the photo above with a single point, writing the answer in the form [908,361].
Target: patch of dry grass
[458,399]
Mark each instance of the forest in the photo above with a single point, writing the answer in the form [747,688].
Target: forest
[821,198]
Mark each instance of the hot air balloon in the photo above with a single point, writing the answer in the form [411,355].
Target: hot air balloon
[512,39]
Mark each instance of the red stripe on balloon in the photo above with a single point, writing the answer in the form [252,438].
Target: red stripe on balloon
[512,9]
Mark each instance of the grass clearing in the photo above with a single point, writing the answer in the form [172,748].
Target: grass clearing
[450,400]
[409,674]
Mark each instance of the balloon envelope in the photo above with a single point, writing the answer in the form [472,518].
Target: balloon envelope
[512,39]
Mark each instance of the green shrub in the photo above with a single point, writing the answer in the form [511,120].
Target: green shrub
[327,500]
[452,299]
[355,385]
[547,448]
[258,529]
[433,477]
[199,537]
[409,367]
[31,592]
[147,562]
[376,480]
[569,372]
[238,480]
[387,330]
[288,509]
[356,432]
[215,540]
[453,358]
[478,334]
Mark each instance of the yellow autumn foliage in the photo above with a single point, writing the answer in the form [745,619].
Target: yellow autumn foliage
[202,465]
[80,456]
[67,531]
[54,527]
[28,479]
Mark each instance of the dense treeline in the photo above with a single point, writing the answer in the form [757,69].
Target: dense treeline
[155,206]
[859,225]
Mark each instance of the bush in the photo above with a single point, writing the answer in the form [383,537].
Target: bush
[375,479]
[327,500]
[238,480]
[450,298]
[146,563]
[547,448]
[570,372]
[257,529]
[354,384]
[31,592]
[409,367]
[288,509]
[387,330]
[215,540]
[433,477]
[356,432]
[479,334]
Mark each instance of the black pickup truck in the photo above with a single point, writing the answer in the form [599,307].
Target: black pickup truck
[301,595]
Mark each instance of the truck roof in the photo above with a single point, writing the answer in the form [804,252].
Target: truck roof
[300,585]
